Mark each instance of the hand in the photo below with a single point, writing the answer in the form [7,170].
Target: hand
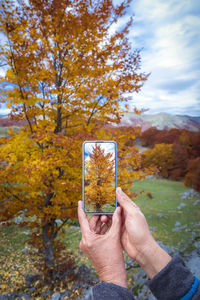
[136,238]
[103,248]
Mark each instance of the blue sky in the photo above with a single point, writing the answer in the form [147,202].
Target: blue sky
[168,32]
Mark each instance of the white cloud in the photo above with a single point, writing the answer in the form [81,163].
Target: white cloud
[4,111]
[169,33]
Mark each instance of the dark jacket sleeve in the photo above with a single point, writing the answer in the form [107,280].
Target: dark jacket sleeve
[171,283]
[174,282]
[111,291]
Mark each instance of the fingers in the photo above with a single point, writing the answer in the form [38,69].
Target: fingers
[104,228]
[93,222]
[104,219]
[125,202]
[82,219]
[116,221]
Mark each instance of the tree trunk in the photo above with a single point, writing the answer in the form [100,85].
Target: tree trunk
[48,241]
[48,245]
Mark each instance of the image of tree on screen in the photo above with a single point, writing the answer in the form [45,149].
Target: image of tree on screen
[99,178]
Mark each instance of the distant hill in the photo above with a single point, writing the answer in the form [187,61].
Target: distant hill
[161,121]
[5,121]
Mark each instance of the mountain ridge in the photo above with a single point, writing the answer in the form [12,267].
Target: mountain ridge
[160,121]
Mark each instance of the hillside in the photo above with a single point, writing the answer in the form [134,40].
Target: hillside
[161,121]
[5,121]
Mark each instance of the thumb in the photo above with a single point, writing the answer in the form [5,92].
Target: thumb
[116,221]
[124,201]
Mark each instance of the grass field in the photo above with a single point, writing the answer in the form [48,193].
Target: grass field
[4,131]
[167,209]
[173,220]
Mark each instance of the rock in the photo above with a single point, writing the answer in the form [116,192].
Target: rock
[194,265]
[87,294]
[26,232]
[18,220]
[152,228]
[197,245]
[25,250]
[83,269]
[30,279]
[177,224]
[140,278]
[176,229]
[159,215]
[196,202]
[8,296]
[190,194]
[151,297]
[181,205]
[46,293]
[23,296]
[65,294]
[13,296]
[56,296]
[31,290]
[85,276]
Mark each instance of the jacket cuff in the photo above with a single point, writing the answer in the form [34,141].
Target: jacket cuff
[110,291]
[173,281]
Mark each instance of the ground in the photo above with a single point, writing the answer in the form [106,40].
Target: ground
[172,212]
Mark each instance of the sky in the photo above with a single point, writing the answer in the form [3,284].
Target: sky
[108,148]
[168,34]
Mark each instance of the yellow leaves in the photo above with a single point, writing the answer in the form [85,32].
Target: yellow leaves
[161,156]
[62,235]
[2,286]
[10,76]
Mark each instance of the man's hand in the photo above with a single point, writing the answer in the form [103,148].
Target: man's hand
[102,247]
[136,238]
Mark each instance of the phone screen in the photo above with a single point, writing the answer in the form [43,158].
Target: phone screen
[99,177]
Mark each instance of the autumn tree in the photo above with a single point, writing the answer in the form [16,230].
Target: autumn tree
[192,177]
[161,156]
[68,75]
[100,174]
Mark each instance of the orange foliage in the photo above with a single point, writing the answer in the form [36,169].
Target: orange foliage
[160,156]
[69,76]
[185,152]
[192,177]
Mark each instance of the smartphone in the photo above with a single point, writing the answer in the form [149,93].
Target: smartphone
[99,180]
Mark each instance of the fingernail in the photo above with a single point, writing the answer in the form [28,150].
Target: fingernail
[119,190]
[79,202]
[119,210]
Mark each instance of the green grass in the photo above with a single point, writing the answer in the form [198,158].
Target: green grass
[4,130]
[12,238]
[166,197]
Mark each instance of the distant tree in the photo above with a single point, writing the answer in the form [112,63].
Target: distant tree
[161,156]
[100,175]
[192,177]
[148,137]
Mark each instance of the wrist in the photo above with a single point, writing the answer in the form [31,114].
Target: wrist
[114,275]
[152,258]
